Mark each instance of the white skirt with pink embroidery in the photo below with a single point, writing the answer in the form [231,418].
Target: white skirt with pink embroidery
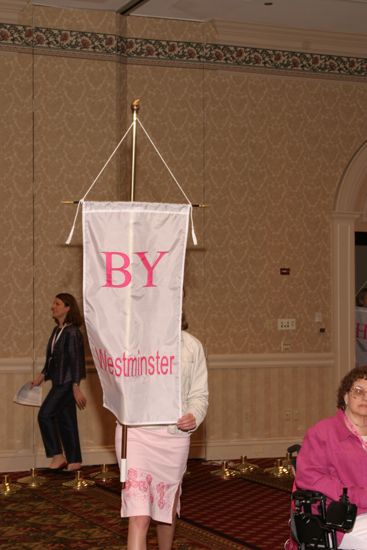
[156,463]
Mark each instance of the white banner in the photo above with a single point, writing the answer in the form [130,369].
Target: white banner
[134,255]
[361,336]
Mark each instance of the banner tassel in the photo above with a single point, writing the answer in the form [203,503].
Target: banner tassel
[193,234]
[68,240]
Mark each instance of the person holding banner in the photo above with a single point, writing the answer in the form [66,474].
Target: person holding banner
[65,367]
[157,455]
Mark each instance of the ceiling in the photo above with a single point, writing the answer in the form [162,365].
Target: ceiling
[340,16]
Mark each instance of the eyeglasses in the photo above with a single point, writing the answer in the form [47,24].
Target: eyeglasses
[358,392]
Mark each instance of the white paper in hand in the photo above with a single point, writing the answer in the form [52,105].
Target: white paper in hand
[29,395]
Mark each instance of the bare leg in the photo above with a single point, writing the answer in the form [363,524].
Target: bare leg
[165,535]
[166,531]
[137,533]
[74,466]
[57,461]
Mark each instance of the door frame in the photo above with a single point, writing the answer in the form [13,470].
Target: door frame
[345,215]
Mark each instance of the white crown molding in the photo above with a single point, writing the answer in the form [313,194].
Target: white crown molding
[279,38]
[346,216]
[270,360]
[15,365]
[9,365]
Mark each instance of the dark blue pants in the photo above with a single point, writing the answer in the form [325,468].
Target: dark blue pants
[58,423]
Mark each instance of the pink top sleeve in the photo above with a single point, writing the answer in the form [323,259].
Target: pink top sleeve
[332,458]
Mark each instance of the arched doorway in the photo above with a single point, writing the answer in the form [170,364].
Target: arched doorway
[349,211]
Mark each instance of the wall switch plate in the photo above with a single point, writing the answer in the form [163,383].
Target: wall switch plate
[286,324]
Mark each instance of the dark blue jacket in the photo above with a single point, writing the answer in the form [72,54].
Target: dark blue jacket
[67,362]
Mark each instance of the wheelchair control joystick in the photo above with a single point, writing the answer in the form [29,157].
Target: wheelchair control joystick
[341,515]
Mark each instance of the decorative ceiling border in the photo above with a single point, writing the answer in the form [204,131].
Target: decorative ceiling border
[192,53]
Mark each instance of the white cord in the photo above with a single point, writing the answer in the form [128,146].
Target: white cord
[194,239]
[68,240]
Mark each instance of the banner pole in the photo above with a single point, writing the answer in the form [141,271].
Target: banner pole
[194,205]
[123,466]
[135,106]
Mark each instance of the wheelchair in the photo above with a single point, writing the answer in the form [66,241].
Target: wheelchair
[314,521]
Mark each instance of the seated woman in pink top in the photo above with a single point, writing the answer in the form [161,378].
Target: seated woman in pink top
[334,455]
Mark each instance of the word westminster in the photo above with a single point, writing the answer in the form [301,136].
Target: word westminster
[135,365]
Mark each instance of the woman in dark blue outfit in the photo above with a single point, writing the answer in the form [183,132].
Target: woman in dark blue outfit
[65,367]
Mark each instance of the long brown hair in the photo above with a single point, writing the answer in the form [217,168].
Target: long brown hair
[73,316]
[184,323]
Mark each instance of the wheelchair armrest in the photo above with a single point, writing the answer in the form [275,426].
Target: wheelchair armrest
[293,457]
[294,448]
[337,515]
[308,496]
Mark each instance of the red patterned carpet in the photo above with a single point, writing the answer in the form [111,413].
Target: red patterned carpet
[52,517]
[243,511]
[216,514]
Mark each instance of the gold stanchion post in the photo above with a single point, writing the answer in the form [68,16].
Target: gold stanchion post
[244,467]
[8,488]
[33,481]
[278,470]
[225,472]
[79,483]
[104,475]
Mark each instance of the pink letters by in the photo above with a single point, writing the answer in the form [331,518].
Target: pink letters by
[123,261]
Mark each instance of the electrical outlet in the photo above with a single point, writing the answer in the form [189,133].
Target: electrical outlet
[285,346]
[286,324]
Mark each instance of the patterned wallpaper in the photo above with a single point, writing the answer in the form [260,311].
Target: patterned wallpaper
[263,149]
[270,184]
[16,205]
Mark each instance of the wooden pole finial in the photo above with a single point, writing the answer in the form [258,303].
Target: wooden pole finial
[135,105]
